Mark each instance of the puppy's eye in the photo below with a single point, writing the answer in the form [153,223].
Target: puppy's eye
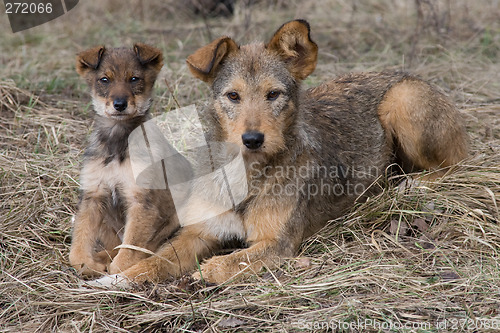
[134,79]
[233,96]
[273,94]
[104,80]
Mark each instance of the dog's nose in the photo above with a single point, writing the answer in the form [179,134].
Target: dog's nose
[253,140]
[120,104]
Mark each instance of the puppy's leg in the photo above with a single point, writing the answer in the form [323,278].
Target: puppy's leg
[108,240]
[144,227]
[88,223]
[274,233]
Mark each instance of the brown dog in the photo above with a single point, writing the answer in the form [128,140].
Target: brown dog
[309,155]
[114,210]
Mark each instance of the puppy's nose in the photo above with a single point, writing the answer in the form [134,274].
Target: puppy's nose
[253,139]
[120,104]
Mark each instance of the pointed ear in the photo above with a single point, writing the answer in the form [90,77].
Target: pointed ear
[293,43]
[204,63]
[89,59]
[149,56]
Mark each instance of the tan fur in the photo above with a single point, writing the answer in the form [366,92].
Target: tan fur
[202,63]
[309,155]
[406,113]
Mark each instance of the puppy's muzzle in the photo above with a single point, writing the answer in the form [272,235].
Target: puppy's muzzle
[120,104]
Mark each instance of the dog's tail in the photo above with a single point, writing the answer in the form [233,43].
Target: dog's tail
[423,126]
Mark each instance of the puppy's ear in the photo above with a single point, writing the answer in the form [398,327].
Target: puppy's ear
[204,63]
[293,44]
[149,56]
[89,59]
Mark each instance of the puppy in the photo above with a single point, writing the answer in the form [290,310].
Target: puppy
[115,209]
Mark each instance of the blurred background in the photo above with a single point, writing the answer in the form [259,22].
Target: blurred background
[454,42]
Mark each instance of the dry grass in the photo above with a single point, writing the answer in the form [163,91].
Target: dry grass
[426,255]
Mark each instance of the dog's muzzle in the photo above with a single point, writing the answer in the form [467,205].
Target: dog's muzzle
[253,140]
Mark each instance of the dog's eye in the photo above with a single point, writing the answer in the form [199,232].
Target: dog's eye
[134,79]
[233,96]
[104,79]
[273,94]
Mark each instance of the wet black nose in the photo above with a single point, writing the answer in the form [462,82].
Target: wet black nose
[120,104]
[253,140]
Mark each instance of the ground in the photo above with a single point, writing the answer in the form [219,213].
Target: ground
[420,259]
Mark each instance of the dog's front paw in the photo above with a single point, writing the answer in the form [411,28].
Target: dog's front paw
[219,270]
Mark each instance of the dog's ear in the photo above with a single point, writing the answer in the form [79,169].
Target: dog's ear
[293,44]
[205,62]
[149,56]
[89,59]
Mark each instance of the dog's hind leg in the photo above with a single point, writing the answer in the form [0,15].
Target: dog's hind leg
[423,126]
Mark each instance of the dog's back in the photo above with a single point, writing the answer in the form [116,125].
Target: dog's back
[395,110]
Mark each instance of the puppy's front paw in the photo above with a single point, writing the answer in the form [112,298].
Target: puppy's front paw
[124,260]
[90,269]
[120,264]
